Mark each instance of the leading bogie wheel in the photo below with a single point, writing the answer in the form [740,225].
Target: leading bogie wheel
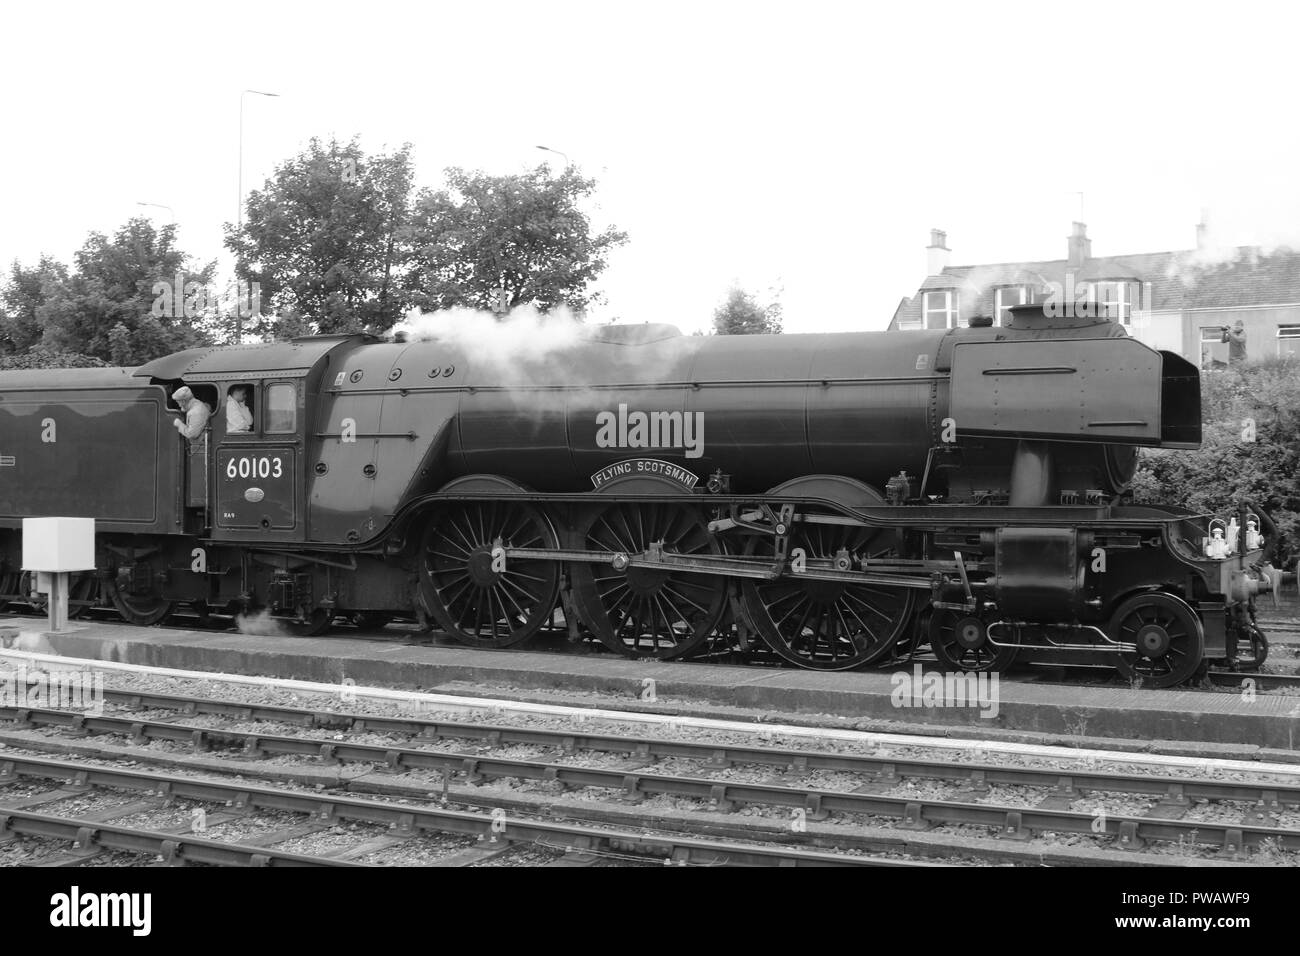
[961,643]
[1168,635]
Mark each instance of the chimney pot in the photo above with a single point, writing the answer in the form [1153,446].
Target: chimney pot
[1079,246]
[936,253]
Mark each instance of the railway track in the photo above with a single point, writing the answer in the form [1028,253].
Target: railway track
[1261,681]
[493,831]
[875,781]
[90,839]
[1105,677]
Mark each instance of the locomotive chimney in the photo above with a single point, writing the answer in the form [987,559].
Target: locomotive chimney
[1080,246]
[936,253]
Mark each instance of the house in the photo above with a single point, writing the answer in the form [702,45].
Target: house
[1178,300]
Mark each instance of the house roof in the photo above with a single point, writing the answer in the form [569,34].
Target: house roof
[1250,279]
[1181,279]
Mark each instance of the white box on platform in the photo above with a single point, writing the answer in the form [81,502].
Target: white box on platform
[58,544]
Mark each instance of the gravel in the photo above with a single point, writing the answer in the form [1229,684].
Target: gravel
[760,736]
[421,850]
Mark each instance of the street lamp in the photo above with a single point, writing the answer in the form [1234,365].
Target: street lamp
[241,149]
[156,205]
[567,162]
[239,320]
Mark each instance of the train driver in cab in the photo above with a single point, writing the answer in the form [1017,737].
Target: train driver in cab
[196,413]
[239,418]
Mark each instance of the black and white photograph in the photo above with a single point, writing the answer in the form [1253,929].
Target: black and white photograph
[441,436]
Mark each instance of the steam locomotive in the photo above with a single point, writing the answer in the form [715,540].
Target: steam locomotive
[841,499]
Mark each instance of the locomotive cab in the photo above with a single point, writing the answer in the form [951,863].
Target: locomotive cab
[253,479]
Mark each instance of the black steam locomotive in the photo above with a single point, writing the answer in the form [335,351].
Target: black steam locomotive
[841,498]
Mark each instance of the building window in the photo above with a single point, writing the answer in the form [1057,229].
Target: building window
[1214,352]
[1116,300]
[940,310]
[1288,340]
[1004,299]
[281,409]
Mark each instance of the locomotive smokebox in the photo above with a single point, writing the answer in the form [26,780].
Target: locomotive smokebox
[1111,390]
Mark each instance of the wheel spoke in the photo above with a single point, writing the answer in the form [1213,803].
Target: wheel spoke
[647,610]
[1171,652]
[482,606]
[824,624]
[676,595]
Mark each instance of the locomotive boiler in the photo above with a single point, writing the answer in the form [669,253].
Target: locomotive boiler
[841,499]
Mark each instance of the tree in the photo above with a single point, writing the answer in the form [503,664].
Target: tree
[522,233]
[324,239]
[127,300]
[741,314]
[23,301]
[110,308]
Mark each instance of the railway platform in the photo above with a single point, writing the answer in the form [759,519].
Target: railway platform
[907,699]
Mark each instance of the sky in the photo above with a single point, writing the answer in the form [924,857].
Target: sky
[805,147]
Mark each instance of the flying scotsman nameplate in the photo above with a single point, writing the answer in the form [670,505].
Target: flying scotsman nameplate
[645,466]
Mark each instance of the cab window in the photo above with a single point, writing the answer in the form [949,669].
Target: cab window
[239,409]
[281,409]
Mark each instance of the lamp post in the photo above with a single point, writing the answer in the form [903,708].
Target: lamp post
[239,321]
[240,219]
[157,205]
[567,162]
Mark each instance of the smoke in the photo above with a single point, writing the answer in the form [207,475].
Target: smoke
[1247,227]
[507,346]
[978,285]
[528,351]
[260,623]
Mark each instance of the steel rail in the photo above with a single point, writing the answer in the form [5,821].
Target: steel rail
[407,818]
[645,748]
[172,847]
[1263,681]
[1217,676]
[918,814]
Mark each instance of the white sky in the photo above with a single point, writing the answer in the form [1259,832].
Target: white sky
[810,145]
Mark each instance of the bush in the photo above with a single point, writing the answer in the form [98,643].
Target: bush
[1250,449]
[41,357]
